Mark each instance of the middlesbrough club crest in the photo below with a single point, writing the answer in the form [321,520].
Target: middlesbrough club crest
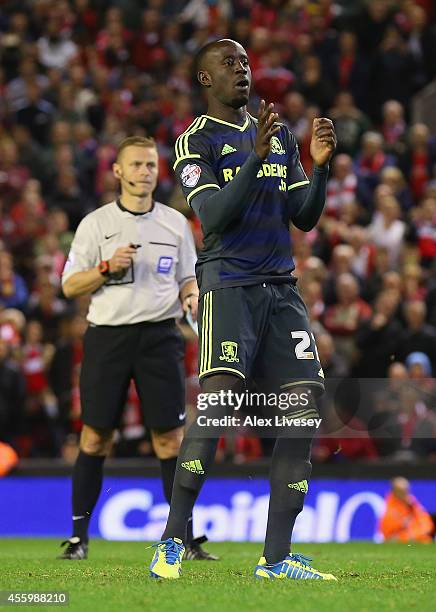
[190,175]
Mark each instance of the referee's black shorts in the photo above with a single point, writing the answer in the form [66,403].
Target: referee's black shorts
[152,354]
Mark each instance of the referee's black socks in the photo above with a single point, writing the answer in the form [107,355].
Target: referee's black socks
[87,482]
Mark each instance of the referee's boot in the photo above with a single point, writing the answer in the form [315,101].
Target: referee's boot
[195,552]
[76,550]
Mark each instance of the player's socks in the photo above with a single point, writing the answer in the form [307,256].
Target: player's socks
[289,477]
[196,455]
[168,470]
[195,458]
[87,482]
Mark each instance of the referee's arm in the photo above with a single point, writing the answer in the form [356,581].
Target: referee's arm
[185,275]
[82,273]
[89,281]
[82,283]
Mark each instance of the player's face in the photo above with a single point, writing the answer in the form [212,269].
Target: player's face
[137,169]
[230,75]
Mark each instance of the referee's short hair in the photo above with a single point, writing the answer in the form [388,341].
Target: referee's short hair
[136,141]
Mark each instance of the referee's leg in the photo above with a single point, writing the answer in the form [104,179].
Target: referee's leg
[95,446]
[160,381]
[105,375]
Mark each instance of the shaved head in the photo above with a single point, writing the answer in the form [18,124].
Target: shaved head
[223,69]
[203,56]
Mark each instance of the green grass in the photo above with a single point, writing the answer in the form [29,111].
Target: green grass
[115,578]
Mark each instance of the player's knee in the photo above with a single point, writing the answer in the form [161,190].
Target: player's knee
[222,382]
[167,444]
[96,441]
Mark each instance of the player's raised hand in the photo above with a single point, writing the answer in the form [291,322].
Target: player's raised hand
[323,141]
[121,259]
[266,128]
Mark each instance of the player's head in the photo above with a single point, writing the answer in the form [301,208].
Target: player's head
[136,166]
[222,67]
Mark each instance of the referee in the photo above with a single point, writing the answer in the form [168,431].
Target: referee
[136,258]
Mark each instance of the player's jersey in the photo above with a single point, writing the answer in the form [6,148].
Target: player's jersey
[255,247]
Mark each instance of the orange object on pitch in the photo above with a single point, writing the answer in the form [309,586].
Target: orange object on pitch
[404,519]
[8,459]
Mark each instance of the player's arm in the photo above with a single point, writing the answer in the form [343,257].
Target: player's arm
[82,274]
[216,209]
[307,201]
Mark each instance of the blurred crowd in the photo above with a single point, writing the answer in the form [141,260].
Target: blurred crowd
[77,76]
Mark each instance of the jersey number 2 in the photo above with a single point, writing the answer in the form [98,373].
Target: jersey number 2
[301,351]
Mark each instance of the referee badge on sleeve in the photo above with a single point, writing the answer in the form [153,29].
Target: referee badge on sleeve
[164,264]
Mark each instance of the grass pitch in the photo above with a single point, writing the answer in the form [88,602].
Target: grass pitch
[371,577]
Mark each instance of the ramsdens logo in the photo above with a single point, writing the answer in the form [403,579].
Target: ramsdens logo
[279,170]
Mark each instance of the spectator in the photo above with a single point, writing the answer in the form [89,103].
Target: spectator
[394,179]
[378,338]
[350,123]
[293,114]
[13,175]
[47,308]
[315,87]
[419,159]
[341,186]
[404,519]
[349,71]
[333,365]
[369,165]
[272,80]
[12,396]
[65,371]
[13,289]
[423,227]
[388,230]
[36,114]
[393,127]
[418,335]
[55,50]
[341,262]
[343,318]
[393,72]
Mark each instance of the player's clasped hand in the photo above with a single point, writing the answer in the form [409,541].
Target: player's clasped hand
[121,259]
[323,141]
[266,128]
